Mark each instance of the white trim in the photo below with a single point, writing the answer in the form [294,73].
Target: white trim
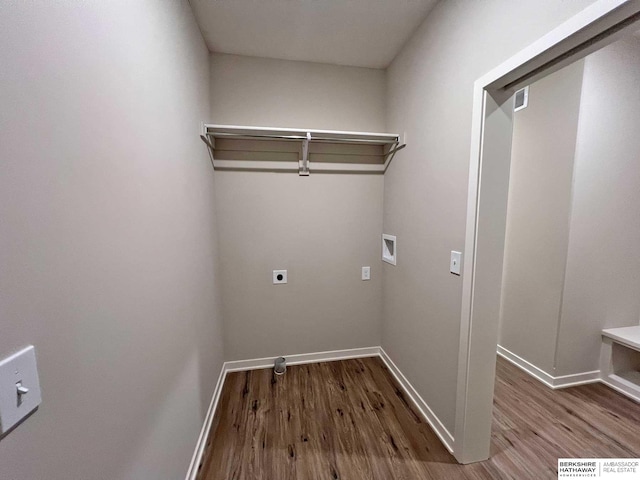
[293,166]
[528,367]
[210,128]
[302,358]
[576,379]
[622,386]
[305,358]
[192,473]
[626,336]
[608,372]
[577,30]
[290,166]
[525,99]
[555,383]
[486,206]
[436,425]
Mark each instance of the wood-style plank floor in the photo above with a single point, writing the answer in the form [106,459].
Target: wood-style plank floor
[348,420]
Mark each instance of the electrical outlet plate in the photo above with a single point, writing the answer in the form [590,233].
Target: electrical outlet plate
[455,262]
[19,369]
[279,277]
[366,273]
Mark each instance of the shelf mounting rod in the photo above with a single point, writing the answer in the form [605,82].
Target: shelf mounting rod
[304,161]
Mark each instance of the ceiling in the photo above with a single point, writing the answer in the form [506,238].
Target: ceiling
[363,33]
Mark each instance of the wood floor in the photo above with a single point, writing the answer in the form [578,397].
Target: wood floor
[348,420]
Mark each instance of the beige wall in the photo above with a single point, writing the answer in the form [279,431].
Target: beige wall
[107,236]
[603,268]
[322,228]
[283,93]
[429,96]
[537,236]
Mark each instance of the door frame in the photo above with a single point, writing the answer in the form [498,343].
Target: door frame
[602,23]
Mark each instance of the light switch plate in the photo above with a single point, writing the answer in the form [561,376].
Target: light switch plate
[456,262]
[279,277]
[19,369]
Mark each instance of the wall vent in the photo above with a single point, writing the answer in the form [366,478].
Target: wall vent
[522,99]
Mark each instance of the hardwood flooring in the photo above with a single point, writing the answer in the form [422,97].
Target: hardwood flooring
[348,420]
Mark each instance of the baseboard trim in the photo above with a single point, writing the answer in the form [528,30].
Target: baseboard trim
[622,386]
[192,473]
[302,358]
[576,379]
[562,381]
[438,427]
[526,366]
[298,359]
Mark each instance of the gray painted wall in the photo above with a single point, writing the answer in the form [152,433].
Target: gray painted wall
[107,236]
[537,236]
[429,96]
[322,228]
[603,267]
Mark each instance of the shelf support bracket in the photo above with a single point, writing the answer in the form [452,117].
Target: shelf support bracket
[390,154]
[211,146]
[304,161]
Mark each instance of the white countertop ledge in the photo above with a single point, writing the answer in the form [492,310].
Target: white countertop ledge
[629,336]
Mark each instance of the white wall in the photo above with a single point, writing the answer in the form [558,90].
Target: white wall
[539,208]
[107,236]
[429,96]
[322,228]
[603,267]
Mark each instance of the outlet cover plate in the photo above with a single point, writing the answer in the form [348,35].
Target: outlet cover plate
[279,277]
[366,273]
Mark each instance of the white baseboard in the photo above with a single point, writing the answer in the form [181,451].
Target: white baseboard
[438,427]
[562,381]
[575,379]
[192,473]
[528,367]
[302,358]
[622,386]
[253,364]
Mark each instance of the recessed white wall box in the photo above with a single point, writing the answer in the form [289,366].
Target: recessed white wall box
[389,253]
[456,260]
[279,277]
[19,388]
[366,273]
[522,99]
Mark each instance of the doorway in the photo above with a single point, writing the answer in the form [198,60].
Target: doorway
[492,125]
